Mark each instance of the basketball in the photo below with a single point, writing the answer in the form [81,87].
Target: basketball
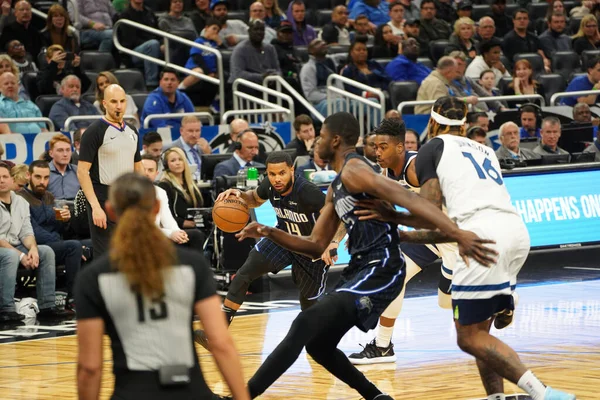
[231,214]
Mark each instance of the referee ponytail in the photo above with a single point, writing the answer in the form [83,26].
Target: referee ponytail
[138,247]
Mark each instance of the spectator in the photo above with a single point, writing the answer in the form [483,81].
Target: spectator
[166,99]
[386,43]
[50,221]
[274,15]
[20,57]
[437,83]
[12,106]
[181,191]
[523,82]
[257,13]
[477,134]
[191,143]
[305,135]
[141,41]
[243,156]
[20,176]
[510,139]
[519,40]
[411,11]
[412,29]
[289,63]
[557,7]
[303,32]
[594,148]
[236,127]
[6,14]
[335,32]
[376,11]
[583,10]
[464,9]
[233,31]
[152,144]
[529,121]
[200,14]
[486,29]
[432,28]
[396,13]
[487,80]
[462,38]
[588,37]
[252,59]
[176,21]
[71,105]
[503,23]
[583,115]
[315,162]
[411,140]
[445,11]
[591,81]
[550,134]
[95,23]
[22,30]
[488,60]
[57,30]
[392,114]
[362,27]
[103,80]
[369,148]
[365,71]
[59,66]
[76,145]
[314,74]
[554,39]
[479,119]
[63,183]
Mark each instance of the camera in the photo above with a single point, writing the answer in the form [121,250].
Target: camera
[69,56]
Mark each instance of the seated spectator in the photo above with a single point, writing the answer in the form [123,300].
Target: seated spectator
[71,105]
[554,39]
[315,162]
[141,41]
[274,14]
[365,71]
[362,28]
[550,134]
[436,85]
[583,10]
[386,43]
[488,60]
[396,13]
[236,127]
[192,144]
[487,81]
[411,140]
[152,144]
[445,11]
[22,249]
[20,58]
[335,32]
[252,59]
[523,83]
[370,149]
[167,99]
[200,14]
[477,134]
[412,29]
[591,81]
[243,156]
[519,40]
[94,23]
[588,37]
[582,115]
[464,9]
[411,10]
[305,135]
[257,13]
[432,28]
[21,29]
[289,63]
[76,144]
[486,30]
[314,74]
[176,21]
[63,183]
[103,80]
[479,119]
[20,176]
[12,106]
[303,32]
[233,31]
[503,22]
[392,114]
[192,238]
[462,38]
[6,14]
[510,139]
[57,30]
[376,11]
[529,121]
[57,68]
[181,191]
[594,148]
[50,221]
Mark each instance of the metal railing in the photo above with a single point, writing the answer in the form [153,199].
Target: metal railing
[481,100]
[75,118]
[245,101]
[262,111]
[166,63]
[580,93]
[48,121]
[369,113]
[281,83]
[200,114]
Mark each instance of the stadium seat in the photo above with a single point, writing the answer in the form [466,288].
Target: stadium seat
[241,4]
[511,8]
[139,99]
[541,25]
[437,49]
[586,56]
[44,6]
[311,17]
[323,17]
[403,91]
[132,80]
[45,103]
[29,82]
[574,24]
[97,61]
[537,10]
[506,62]
[575,75]
[426,61]
[569,5]
[566,63]
[226,54]
[338,49]
[92,76]
[480,11]
[503,84]
[91,97]
[316,5]
[302,53]
[536,61]
[383,61]
[241,14]
[553,83]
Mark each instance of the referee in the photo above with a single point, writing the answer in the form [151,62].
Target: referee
[109,148]
[144,294]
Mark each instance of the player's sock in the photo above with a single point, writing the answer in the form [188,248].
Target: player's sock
[497,396]
[532,385]
[384,335]
[229,314]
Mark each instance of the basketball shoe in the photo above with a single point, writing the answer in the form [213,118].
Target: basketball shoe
[372,354]
[553,394]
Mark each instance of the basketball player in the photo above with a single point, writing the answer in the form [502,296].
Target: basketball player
[375,274]
[144,294]
[297,203]
[467,175]
[398,164]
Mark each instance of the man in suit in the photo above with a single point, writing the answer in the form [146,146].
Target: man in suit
[191,143]
[510,138]
[243,156]
[315,162]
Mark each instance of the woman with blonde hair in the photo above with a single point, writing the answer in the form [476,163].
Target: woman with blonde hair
[144,294]
[57,29]
[273,12]
[103,80]
[462,38]
[20,175]
[588,37]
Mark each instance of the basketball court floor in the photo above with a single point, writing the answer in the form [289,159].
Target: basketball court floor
[556,332]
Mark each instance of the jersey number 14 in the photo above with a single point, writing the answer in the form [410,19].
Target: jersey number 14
[292,228]
[485,169]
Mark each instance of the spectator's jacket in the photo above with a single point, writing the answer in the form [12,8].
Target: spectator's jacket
[555,41]
[432,88]
[21,109]
[203,59]
[250,63]
[313,78]
[157,103]
[43,220]
[378,15]
[524,154]
[65,108]
[71,43]
[403,69]
[289,63]
[15,225]
[378,78]
[92,10]
[302,35]
[131,37]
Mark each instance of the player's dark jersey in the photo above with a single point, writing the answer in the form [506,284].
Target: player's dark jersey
[363,236]
[408,157]
[298,211]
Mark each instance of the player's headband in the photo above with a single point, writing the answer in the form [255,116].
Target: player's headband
[446,121]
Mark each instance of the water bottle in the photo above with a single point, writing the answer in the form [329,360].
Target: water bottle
[252,181]
[241,178]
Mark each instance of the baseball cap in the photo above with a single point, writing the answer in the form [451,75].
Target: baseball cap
[285,26]
[464,5]
[214,3]
[412,21]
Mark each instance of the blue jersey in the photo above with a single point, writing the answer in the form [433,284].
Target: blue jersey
[408,157]
[363,236]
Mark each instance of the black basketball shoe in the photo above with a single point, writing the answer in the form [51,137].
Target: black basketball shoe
[372,354]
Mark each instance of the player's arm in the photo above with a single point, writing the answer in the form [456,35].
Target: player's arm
[311,246]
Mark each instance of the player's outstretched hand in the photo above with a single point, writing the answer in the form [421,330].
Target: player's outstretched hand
[227,193]
[471,245]
[376,209]
[253,230]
